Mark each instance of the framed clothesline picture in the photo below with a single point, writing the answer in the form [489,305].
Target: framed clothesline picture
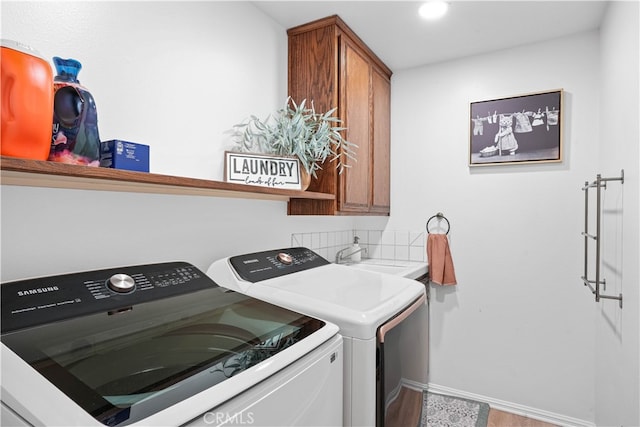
[519,129]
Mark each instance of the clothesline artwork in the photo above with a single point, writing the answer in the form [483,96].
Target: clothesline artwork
[518,129]
[524,121]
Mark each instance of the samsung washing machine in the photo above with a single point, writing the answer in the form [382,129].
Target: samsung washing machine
[162,345]
[382,319]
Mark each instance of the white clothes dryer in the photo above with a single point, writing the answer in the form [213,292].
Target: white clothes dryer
[382,319]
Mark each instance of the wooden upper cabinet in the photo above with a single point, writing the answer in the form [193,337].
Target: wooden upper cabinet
[331,66]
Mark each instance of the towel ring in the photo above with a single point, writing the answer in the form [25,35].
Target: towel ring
[439,216]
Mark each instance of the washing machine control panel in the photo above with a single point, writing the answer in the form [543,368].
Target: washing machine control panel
[275,263]
[43,300]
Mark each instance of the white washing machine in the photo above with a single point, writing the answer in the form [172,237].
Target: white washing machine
[382,319]
[161,345]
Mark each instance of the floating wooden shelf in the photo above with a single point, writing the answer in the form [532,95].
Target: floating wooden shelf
[35,173]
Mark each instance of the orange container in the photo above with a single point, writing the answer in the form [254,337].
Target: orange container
[26,93]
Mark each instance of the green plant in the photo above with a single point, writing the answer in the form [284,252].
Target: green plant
[296,130]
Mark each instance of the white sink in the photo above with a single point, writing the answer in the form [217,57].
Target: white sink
[409,269]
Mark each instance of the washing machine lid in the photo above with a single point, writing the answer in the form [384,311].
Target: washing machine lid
[143,353]
[356,301]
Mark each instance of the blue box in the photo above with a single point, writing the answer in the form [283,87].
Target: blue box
[126,155]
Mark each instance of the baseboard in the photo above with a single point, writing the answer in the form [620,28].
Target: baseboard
[501,405]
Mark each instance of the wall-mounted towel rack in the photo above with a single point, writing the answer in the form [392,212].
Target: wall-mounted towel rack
[594,285]
[439,216]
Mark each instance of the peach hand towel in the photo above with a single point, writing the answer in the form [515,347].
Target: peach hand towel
[441,270]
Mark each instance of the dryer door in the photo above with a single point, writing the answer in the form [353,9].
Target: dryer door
[390,352]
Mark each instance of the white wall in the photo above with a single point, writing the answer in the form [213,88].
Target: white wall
[617,355]
[175,76]
[518,327]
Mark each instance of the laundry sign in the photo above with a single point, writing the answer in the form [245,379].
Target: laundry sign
[262,170]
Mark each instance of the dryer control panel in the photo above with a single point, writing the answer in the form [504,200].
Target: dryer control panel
[275,263]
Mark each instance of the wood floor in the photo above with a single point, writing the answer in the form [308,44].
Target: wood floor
[405,412]
[505,419]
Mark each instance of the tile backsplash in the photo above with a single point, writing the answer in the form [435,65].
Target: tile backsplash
[380,244]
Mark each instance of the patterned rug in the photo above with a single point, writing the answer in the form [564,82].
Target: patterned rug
[447,411]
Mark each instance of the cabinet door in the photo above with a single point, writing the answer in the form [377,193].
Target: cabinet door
[381,177]
[356,77]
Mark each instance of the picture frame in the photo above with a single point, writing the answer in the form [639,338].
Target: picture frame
[516,130]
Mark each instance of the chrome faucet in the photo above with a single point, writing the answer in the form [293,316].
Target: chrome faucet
[340,258]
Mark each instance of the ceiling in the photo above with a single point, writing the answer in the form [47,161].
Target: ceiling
[402,39]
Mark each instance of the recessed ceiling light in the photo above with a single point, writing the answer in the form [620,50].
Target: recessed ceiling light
[433,9]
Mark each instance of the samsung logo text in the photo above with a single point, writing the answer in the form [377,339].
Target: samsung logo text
[38,291]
